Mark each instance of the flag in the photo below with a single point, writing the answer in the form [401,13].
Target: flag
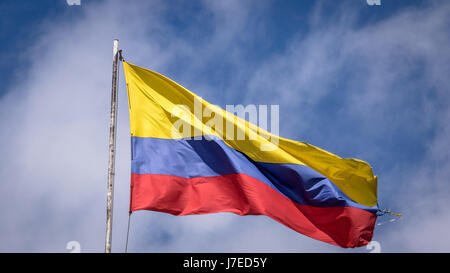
[188,158]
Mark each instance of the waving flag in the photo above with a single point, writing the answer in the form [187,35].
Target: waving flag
[205,168]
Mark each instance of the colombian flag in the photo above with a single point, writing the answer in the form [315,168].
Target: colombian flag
[206,168]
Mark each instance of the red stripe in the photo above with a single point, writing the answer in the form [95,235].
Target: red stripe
[245,195]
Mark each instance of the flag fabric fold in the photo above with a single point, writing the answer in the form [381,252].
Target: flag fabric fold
[207,169]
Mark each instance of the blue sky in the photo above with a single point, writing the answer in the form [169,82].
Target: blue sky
[369,82]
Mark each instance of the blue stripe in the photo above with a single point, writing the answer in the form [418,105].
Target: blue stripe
[201,158]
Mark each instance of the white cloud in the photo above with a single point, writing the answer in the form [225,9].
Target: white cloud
[389,79]
[53,173]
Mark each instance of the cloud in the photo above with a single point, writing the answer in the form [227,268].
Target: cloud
[375,91]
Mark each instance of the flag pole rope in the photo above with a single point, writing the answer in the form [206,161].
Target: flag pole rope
[128,231]
[130,212]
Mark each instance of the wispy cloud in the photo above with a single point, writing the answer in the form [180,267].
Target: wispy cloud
[373,91]
[378,92]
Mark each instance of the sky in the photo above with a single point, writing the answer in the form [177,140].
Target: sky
[367,82]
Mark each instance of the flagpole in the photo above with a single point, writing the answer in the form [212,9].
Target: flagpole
[112,150]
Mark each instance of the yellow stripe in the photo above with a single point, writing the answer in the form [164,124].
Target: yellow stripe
[153,98]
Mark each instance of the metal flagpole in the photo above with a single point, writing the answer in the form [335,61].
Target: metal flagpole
[112,149]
